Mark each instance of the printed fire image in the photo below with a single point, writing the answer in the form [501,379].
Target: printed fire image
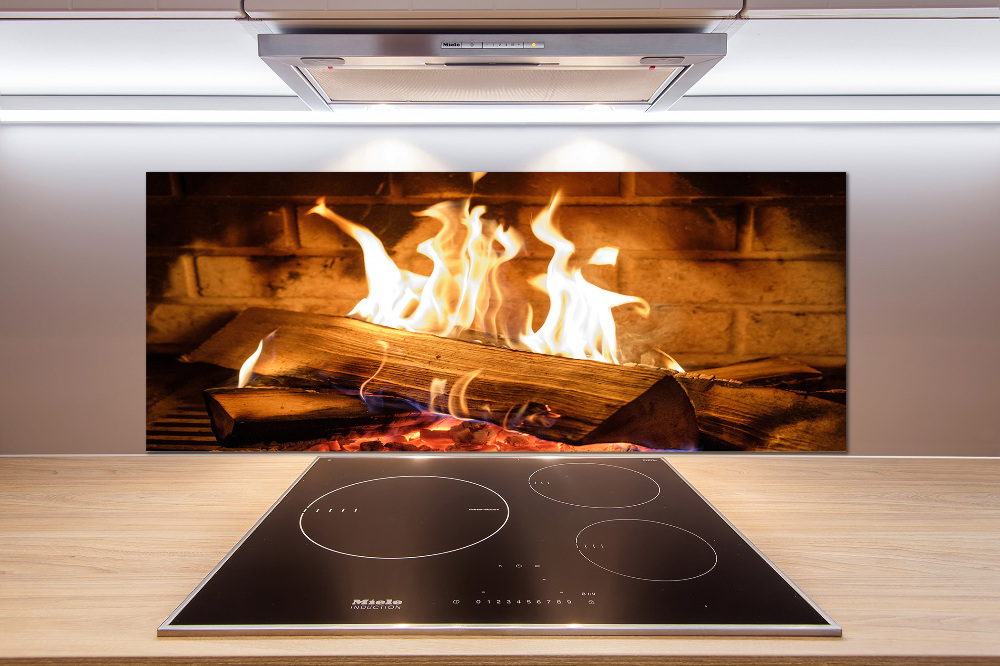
[496,311]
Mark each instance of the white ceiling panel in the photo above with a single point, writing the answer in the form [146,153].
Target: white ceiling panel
[132,57]
[859,57]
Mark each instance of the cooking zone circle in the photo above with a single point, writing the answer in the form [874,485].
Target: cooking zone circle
[646,550]
[594,485]
[404,517]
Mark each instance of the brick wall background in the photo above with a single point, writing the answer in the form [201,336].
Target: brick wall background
[735,265]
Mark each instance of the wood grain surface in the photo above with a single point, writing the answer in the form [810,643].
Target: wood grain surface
[904,553]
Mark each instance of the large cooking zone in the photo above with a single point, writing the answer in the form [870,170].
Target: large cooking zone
[496,312]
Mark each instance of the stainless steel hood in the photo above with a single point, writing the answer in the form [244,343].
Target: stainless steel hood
[646,71]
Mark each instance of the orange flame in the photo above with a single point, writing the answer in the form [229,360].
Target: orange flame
[463,290]
[579,323]
[246,370]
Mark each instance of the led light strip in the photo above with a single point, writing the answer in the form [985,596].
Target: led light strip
[689,110]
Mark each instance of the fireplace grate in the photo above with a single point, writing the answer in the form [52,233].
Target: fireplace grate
[185,427]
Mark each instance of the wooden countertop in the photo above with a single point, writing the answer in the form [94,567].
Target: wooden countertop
[904,553]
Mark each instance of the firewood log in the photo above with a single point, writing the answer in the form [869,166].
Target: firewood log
[243,417]
[559,399]
[751,418]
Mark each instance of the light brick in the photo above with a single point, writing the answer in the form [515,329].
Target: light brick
[815,333]
[802,228]
[752,282]
[282,277]
[178,324]
[679,330]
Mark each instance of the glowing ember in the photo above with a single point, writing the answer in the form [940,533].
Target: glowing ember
[452,434]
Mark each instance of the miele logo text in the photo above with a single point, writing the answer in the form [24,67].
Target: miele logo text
[376,604]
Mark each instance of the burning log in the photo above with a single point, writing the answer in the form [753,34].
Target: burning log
[554,398]
[751,418]
[243,417]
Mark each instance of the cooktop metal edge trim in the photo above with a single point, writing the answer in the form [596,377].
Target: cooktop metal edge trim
[503,629]
[835,629]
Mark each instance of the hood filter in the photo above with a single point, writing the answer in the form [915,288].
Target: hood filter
[492,84]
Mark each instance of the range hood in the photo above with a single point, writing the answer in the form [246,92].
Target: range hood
[645,71]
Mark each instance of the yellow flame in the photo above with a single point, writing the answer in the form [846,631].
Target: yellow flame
[579,323]
[463,290]
[247,368]
[604,256]
[390,290]
[466,255]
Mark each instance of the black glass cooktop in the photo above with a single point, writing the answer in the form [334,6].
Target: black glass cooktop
[456,544]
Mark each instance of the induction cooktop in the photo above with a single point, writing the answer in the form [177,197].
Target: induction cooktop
[495,545]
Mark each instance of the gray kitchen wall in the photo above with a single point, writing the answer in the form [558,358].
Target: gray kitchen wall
[923,272]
